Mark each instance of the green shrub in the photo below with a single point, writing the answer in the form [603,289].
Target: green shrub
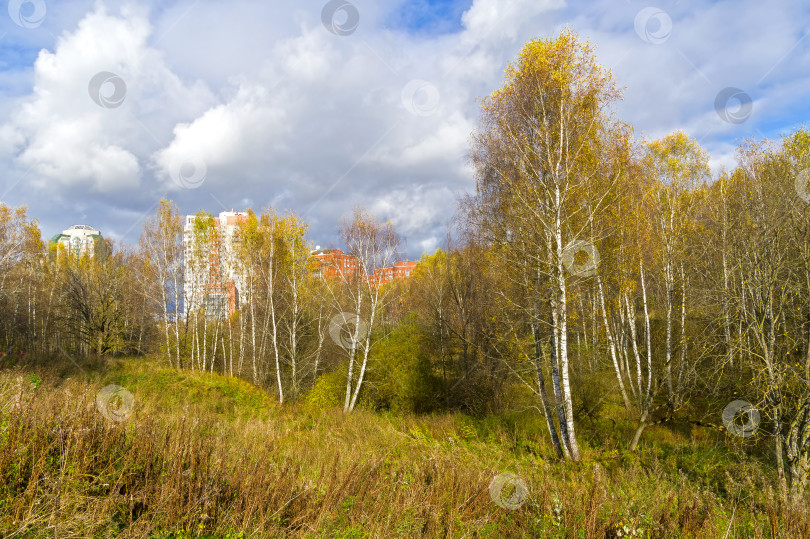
[329,390]
[401,378]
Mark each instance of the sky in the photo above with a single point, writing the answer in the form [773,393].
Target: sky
[319,107]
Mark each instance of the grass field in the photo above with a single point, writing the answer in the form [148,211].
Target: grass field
[203,455]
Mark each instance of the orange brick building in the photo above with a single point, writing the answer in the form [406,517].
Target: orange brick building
[335,264]
[400,270]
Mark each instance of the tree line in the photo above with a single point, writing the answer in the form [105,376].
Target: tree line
[588,266]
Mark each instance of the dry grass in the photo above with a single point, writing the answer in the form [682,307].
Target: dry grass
[204,455]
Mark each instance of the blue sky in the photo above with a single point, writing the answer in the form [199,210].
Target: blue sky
[317,106]
[428,17]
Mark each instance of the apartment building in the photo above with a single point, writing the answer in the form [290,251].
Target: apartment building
[77,241]
[400,270]
[334,264]
[212,279]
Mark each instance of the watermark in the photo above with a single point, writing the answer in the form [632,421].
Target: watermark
[733,105]
[340,17]
[189,173]
[653,25]
[342,329]
[107,90]
[508,491]
[803,185]
[27,13]
[420,97]
[115,403]
[580,258]
[741,418]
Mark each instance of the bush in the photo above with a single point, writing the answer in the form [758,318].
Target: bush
[398,377]
[401,378]
[329,390]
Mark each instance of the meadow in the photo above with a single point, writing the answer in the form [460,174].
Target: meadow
[206,455]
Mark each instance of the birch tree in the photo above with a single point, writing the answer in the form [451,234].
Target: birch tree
[161,244]
[21,258]
[296,320]
[373,244]
[678,166]
[536,153]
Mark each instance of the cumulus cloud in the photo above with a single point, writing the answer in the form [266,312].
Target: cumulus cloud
[493,20]
[233,134]
[68,139]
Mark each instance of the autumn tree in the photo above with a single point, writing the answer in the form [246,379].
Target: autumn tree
[374,245]
[537,153]
[97,289]
[21,259]
[297,322]
[161,245]
[651,248]
[768,248]
[430,298]
[201,272]
[678,166]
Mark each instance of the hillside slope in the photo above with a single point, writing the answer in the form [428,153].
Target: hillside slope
[198,454]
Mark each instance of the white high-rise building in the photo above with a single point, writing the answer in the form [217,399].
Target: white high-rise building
[79,240]
[212,278]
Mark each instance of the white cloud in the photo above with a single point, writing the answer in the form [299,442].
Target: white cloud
[66,138]
[503,19]
[448,141]
[410,209]
[233,134]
